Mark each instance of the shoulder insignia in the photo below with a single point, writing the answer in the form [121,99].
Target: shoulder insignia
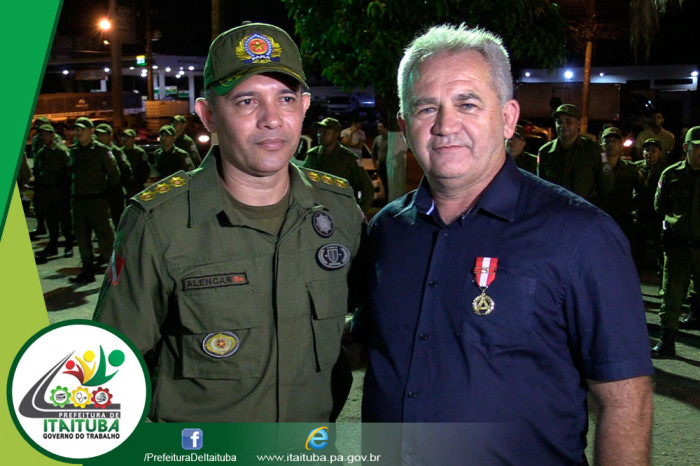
[162,190]
[328,182]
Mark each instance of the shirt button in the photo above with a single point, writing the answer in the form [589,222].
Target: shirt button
[408,453]
[444,233]
[412,394]
[423,336]
[432,283]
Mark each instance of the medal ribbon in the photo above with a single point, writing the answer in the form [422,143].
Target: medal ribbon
[485,270]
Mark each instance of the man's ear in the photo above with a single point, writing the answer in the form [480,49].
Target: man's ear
[204,111]
[511,113]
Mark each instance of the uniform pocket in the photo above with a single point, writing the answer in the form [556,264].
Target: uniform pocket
[329,306]
[509,325]
[232,312]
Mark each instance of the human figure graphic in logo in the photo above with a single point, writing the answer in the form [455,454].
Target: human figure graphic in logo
[83,404]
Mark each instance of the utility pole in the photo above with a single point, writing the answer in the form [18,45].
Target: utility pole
[149,54]
[117,82]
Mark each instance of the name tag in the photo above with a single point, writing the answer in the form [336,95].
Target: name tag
[214,281]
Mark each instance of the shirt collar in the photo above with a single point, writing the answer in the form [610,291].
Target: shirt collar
[206,202]
[500,198]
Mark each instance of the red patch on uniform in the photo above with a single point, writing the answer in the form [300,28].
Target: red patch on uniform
[114,271]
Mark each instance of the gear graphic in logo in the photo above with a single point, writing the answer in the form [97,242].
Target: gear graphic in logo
[101,398]
[81,397]
[60,396]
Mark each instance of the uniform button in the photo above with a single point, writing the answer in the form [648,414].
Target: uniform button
[408,453]
[412,394]
[423,336]
[432,283]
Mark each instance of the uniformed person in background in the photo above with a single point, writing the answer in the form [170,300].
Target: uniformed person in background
[183,141]
[94,170]
[516,148]
[620,201]
[232,278]
[574,161]
[648,223]
[169,158]
[52,179]
[678,200]
[37,144]
[116,193]
[333,157]
[138,159]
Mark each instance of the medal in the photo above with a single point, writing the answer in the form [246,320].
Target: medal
[485,272]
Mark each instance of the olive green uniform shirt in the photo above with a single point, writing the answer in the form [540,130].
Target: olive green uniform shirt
[187,144]
[527,162]
[578,168]
[678,200]
[94,169]
[245,324]
[51,166]
[172,161]
[141,169]
[344,163]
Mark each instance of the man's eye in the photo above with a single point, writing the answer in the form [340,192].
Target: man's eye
[245,102]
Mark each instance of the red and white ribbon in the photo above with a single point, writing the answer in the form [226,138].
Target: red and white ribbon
[485,270]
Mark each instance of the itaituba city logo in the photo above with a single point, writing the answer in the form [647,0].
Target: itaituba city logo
[77,390]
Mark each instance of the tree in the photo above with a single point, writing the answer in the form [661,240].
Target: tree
[360,42]
[644,24]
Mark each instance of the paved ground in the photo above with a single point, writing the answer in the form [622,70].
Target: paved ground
[676,438]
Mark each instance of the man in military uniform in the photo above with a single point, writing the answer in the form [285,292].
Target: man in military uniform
[332,157]
[116,193]
[94,170]
[573,161]
[138,159]
[234,277]
[648,222]
[678,200]
[37,144]
[619,202]
[52,179]
[516,148]
[183,141]
[170,158]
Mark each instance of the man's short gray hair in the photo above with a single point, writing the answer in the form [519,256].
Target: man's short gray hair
[451,39]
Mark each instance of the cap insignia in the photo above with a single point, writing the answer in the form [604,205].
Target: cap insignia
[258,48]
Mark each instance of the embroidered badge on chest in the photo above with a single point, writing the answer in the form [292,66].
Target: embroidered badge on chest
[323,224]
[485,273]
[332,256]
[221,344]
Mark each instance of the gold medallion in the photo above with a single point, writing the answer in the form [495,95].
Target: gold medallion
[483,305]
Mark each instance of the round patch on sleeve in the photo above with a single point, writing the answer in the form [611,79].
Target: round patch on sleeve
[220,344]
[332,256]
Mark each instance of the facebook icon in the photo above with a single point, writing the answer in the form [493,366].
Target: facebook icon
[192,439]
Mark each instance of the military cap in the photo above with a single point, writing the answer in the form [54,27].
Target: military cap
[693,135]
[519,131]
[84,122]
[103,128]
[46,127]
[328,123]
[612,131]
[41,120]
[247,50]
[178,119]
[569,109]
[167,129]
[129,132]
[652,142]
